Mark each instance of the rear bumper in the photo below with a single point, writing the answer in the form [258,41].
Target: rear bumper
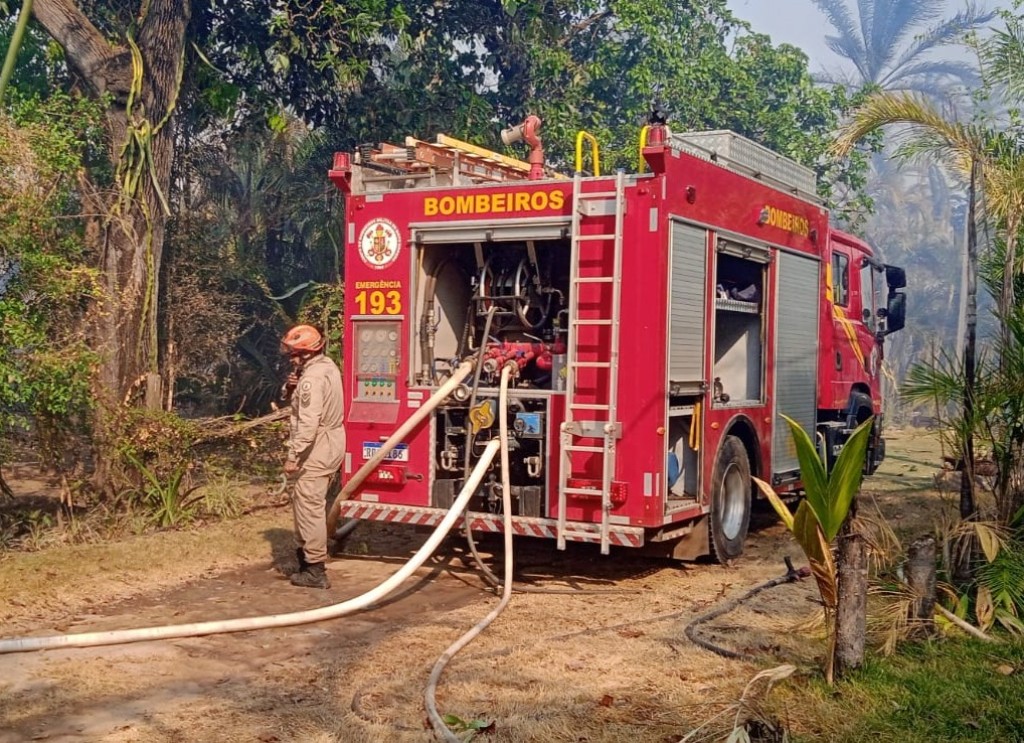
[525,526]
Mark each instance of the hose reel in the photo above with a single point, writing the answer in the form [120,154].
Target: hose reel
[515,291]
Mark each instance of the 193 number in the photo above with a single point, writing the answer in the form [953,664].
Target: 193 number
[379,303]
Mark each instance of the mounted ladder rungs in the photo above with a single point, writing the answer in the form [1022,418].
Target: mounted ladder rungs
[590,492]
[604,386]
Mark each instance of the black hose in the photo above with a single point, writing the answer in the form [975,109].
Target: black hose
[792,575]
[469,441]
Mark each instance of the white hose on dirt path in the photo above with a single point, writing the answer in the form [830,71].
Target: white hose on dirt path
[117,637]
[506,506]
[460,373]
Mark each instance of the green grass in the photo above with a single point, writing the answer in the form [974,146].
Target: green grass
[947,691]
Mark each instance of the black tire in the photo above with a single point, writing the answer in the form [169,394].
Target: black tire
[730,500]
[862,406]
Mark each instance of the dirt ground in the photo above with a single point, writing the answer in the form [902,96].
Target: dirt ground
[604,659]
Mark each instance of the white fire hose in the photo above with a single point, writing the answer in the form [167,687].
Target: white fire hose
[116,637]
[506,503]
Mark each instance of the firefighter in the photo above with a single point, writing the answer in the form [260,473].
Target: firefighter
[316,446]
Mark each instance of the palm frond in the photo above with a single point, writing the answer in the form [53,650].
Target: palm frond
[1003,55]
[849,43]
[938,72]
[949,31]
[1003,578]
[925,130]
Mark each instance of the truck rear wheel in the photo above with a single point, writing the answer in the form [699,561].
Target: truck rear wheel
[730,500]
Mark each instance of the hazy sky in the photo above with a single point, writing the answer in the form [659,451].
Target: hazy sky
[799,22]
[795,22]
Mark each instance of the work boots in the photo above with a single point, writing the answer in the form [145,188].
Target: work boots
[312,575]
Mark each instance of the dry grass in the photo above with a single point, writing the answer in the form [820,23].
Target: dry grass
[62,581]
[589,666]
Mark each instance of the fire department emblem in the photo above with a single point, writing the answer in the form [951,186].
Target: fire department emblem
[379,243]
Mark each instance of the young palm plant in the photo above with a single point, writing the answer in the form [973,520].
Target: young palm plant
[822,513]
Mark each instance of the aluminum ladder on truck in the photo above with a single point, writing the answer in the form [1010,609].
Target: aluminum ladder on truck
[591,419]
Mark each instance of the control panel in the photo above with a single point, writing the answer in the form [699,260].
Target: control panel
[377,360]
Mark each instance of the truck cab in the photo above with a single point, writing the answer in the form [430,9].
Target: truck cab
[861,305]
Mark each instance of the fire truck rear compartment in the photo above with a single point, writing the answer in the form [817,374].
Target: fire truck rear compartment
[517,291]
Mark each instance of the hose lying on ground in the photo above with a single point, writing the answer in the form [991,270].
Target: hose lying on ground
[116,637]
[791,576]
[506,502]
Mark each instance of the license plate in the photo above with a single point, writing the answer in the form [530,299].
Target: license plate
[399,454]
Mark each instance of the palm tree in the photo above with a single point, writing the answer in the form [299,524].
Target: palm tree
[889,42]
[963,149]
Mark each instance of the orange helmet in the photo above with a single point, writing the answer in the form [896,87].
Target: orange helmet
[301,339]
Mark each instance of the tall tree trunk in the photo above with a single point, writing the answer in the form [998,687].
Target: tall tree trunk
[964,552]
[920,570]
[851,607]
[967,503]
[132,219]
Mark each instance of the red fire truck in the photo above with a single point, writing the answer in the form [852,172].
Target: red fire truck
[661,323]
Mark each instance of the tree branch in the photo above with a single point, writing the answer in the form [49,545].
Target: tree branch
[965,626]
[104,67]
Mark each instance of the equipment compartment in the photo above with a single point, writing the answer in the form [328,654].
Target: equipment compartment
[738,377]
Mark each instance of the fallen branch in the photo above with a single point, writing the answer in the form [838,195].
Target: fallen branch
[965,626]
[212,432]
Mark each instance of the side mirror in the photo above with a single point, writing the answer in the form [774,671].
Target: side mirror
[895,277]
[896,312]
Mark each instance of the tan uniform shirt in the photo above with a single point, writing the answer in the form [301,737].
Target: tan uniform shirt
[318,413]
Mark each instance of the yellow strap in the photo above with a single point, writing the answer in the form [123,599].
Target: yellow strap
[695,428]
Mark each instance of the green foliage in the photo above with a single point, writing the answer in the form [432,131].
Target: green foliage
[965,691]
[997,417]
[158,446]
[47,288]
[1000,590]
[830,496]
[324,308]
[597,65]
[827,501]
[466,729]
[165,500]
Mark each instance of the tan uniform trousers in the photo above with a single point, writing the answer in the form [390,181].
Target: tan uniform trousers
[309,505]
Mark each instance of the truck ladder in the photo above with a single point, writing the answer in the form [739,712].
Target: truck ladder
[583,419]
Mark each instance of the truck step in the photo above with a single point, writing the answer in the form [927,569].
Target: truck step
[593,449]
[591,492]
